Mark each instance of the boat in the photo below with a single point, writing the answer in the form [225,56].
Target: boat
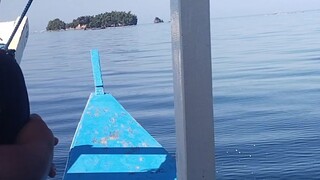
[110,144]
[20,38]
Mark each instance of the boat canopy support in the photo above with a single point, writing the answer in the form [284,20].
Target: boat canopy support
[191,46]
[24,12]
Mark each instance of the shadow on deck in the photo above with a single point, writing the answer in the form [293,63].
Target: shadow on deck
[87,162]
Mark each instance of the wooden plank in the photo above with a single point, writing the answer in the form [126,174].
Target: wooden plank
[96,70]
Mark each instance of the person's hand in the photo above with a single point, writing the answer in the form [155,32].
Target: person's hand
[31,155]
[37,134]
[53,170]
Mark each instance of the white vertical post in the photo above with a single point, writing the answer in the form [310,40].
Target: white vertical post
[193,89]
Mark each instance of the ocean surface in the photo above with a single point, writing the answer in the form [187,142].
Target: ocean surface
[266,72]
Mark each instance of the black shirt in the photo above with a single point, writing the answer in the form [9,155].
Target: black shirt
[14,102]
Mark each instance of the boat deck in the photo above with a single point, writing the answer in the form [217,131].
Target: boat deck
[110,144]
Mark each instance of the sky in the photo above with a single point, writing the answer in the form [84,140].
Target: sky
[42,11]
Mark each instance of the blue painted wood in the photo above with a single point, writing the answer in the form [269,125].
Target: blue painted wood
[98,82]
[110,144]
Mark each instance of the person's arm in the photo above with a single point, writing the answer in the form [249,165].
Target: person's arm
[31,156]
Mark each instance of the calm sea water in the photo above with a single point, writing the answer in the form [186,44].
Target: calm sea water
[266,88]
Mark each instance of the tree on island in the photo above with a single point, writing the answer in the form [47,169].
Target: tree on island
[103,20]
[157,20]
[56,24]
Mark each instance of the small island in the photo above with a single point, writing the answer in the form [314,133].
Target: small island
[157,20]
[100,21]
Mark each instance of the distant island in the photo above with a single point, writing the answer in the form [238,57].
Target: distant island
[157,20]
[100,21]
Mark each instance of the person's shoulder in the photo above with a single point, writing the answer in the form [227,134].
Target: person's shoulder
[6,58]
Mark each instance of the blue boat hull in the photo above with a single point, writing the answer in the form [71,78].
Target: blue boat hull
[110,144]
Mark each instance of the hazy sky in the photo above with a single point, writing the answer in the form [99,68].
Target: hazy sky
[42,11]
